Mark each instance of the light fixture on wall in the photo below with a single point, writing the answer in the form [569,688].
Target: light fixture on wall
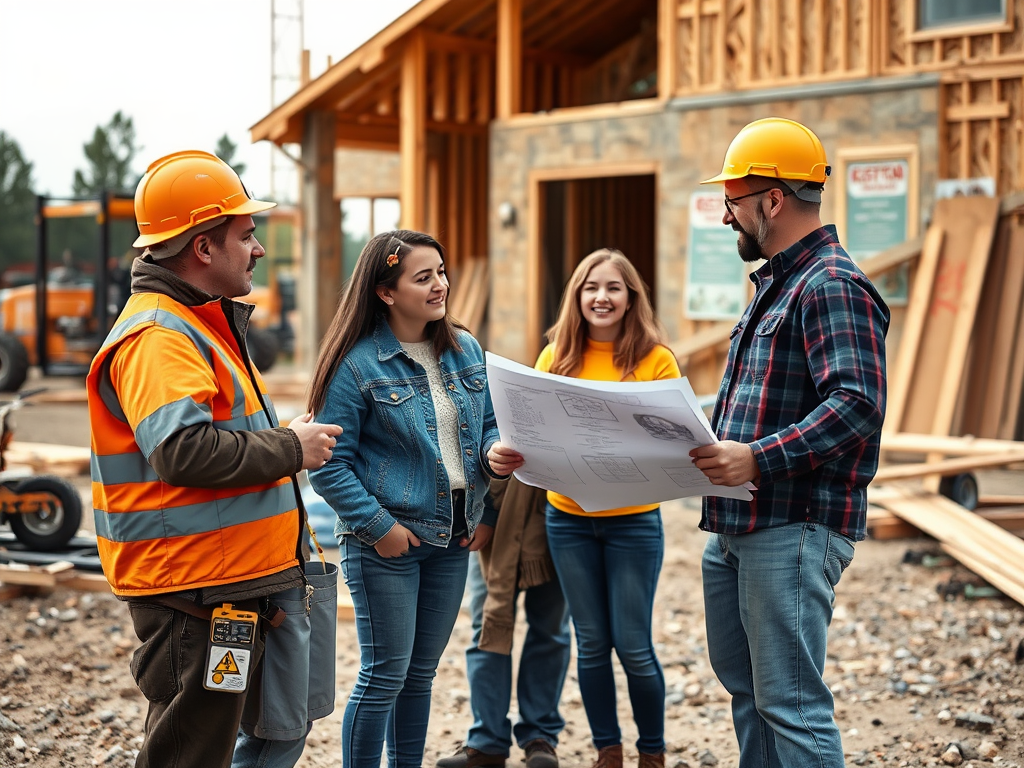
[507,214]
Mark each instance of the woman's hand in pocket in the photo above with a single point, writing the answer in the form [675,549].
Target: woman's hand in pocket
[396,542]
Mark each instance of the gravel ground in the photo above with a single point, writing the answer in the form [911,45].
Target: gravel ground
[925,671]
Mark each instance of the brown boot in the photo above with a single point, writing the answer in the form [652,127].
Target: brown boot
[652,761]
[609,757]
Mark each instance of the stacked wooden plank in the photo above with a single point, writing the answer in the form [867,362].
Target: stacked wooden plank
[991,552]
[50,459]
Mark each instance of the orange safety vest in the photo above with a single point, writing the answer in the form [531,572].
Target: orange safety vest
[154,537]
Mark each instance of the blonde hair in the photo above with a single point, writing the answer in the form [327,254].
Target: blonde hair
[640,332]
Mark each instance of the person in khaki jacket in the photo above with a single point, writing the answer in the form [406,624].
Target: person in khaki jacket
[194,489]
[515,561]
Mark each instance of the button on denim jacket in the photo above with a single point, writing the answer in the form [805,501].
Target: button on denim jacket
[387,463]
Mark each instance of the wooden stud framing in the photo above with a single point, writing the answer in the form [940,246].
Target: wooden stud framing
[668,36]
[510,58]
[441,90]
[463,88]
[413,133]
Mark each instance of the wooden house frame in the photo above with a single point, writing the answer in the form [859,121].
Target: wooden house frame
[486,101]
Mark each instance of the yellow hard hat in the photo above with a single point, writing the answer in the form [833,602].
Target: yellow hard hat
[776,148]
[187,188]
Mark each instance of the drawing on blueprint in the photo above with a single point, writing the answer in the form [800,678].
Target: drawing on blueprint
[661,428]
[615,469]
[687,476]
[581,407]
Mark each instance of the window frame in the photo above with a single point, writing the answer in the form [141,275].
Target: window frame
[993,25]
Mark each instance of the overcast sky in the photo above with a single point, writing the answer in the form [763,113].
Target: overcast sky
[186,71]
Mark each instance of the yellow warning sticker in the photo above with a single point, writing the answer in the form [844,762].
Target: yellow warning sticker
[227,665]
[227,669]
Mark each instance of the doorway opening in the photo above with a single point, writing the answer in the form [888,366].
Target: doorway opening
[578,216]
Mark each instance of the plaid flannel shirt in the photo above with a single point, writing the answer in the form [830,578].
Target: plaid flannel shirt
[805,387]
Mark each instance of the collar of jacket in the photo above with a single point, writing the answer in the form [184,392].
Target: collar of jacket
[786,261]
[150,277]
[388,345]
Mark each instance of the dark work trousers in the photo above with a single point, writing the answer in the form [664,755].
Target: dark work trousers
[187,726]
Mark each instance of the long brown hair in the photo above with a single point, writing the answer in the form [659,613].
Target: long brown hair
[380,264]
[640,331]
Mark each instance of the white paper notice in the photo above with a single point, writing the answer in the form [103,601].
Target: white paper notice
[603,444]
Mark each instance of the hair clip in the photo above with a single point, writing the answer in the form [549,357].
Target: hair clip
[392,259]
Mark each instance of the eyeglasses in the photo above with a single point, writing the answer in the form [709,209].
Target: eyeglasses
[730,200]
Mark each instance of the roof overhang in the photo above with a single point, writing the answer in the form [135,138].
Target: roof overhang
[285,123]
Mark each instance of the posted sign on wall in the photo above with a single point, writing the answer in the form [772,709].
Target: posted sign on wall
[716,279]
[877,205]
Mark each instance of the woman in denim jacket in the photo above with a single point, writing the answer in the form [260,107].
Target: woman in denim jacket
[407,479]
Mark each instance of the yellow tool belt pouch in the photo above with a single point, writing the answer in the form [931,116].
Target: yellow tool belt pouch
[295,684]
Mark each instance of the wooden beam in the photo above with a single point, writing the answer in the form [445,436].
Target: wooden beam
[913,329]
[947,446]
[441,89]
[321,275]
[880,263]
[668,46]
[946,467]
[978,111]
[510,58]
[463,87]
[413,133]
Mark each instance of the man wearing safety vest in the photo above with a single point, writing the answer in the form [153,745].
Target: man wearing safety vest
[194,492]
[799,413]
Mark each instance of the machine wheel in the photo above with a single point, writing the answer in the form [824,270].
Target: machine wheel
[52,527]
[963,489]
[13,363]
[263,348]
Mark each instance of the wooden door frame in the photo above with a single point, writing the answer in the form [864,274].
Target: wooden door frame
[535,205]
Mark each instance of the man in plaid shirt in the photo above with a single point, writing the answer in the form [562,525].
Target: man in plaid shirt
[799,414]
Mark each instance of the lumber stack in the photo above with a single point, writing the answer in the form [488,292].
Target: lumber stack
[991,552]
[50,459]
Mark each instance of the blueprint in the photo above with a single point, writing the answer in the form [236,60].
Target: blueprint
[603,444]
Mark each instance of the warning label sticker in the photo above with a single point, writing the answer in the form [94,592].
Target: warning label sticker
[227,669]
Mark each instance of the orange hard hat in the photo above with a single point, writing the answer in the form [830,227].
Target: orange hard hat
[776,148]
[187,188]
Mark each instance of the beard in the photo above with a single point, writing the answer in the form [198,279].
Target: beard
[751,246]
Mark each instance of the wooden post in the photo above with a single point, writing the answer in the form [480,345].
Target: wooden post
[412,131]
[510,58]
[668,26]
[321,275]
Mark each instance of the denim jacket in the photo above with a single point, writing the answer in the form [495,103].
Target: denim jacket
[387,465]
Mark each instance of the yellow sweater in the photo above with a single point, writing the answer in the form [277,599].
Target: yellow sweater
[598,365]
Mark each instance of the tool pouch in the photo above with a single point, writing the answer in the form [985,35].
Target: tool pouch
[296,680]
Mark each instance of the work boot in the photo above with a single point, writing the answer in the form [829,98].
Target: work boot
[609,757]
[467,757]
[652,761]
[540,753]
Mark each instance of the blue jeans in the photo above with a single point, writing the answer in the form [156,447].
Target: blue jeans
[254,752]
[768,599]
[543,663]
[609,569]
[405,609]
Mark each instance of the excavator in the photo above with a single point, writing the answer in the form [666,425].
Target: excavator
[75,302]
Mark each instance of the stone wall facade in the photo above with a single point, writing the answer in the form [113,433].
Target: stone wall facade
[366,173]
[687,143]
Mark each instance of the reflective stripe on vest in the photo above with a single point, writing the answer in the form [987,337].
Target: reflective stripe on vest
[143,525]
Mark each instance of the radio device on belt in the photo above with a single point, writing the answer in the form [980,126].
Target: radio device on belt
[229,651]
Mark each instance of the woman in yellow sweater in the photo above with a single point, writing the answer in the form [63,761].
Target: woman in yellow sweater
[609,562]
